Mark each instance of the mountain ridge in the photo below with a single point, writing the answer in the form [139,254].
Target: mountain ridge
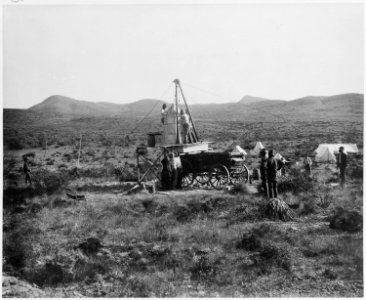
[246,107]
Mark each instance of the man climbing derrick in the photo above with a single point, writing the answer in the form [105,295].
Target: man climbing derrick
[184,125]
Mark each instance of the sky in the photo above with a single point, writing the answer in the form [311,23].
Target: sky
[123,53]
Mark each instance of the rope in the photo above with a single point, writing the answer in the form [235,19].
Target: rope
[224,98]
[157,102]
[207,92]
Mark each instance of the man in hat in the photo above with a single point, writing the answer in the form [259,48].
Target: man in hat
[163,113]
[307,164]
[166,173]
[176,166]
[342,164]
[272,174]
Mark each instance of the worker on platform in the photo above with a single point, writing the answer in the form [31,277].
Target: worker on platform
[164,112]
[184,125]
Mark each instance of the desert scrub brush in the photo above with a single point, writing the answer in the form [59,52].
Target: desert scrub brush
[279,209]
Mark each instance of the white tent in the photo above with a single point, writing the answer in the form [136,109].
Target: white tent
[238,151]
[280,157]
[334,148]
[325,154]
[258,147]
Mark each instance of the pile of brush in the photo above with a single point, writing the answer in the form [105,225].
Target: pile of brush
[279,210]
[45,181]
[38,178]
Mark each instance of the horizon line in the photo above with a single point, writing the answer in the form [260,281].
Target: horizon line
[202,103]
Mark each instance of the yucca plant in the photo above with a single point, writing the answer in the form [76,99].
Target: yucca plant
[279,209]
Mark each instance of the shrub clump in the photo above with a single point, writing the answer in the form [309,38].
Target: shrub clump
[346,220]
[357,172]
[239,188]
[46,181]
[268,253]
[308,205]
[278,209]
[249,242]
[277,255]
[187,211]
[204,267]
[295,182]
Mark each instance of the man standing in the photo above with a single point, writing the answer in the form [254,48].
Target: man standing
[27,171]
[184,125]
[272,173]
[176,166]
[342,164]
[307,163]
[163,113]
[166,174]
[263,171]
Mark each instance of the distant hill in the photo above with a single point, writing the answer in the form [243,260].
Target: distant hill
[144,106]
[64,105]
[248,108]
[68,106]
[307,108]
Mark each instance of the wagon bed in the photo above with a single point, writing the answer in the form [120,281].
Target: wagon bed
[215,168]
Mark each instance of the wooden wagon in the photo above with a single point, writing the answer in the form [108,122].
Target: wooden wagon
[215,168]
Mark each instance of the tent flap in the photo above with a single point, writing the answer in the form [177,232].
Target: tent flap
[238,150]
[258,147]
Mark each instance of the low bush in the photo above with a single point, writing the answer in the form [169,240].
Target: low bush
[50,162]
[279,256]
[279,210]
[9,165]
[14,144]
[90,152]
[30,154]
[295,182]
[261,240]
[240,188]
[50,273]
[325,196]
[14,251]
[67,157]
[49,182]
[346,220]
[204,267]
[308,204]
[356,172]
[250,242]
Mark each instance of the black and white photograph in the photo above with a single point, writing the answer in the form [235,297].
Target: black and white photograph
[182,150]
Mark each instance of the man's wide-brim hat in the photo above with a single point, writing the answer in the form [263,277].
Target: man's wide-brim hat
[263,152]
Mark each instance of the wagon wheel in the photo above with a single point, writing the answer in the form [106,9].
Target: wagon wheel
[203,178]
[241,175]
[188,174]
[219,176]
